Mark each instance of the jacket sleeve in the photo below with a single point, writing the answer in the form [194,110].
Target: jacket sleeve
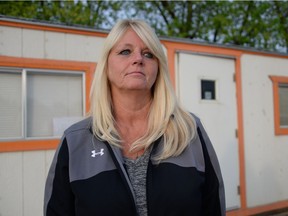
[58,197]
[214,194]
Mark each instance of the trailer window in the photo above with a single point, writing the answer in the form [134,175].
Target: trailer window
[283,104]
[10,104]
[280,93]
[39,103]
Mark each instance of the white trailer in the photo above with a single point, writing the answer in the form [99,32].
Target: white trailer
[240,95]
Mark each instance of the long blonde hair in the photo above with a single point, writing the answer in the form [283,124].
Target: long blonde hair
[166,117]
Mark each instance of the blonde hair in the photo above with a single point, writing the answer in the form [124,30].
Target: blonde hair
[166,117]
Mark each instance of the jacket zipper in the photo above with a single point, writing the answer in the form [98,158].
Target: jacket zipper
[124,177]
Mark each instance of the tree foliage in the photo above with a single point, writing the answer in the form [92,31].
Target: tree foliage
[90,13]
[258,24]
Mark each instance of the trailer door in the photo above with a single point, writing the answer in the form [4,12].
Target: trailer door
[206,87]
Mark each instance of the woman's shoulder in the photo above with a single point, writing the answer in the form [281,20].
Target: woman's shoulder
[85,124]
[196,118]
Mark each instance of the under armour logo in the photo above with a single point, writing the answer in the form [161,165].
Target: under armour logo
[94,153]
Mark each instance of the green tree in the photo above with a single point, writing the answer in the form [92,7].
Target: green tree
[280,21]
[258,24]
[89,13]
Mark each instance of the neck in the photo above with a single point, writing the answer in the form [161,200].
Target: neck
[130,112]
[129,108]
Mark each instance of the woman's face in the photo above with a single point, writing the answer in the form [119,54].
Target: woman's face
[131,65]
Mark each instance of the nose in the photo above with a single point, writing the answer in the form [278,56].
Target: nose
[137,58]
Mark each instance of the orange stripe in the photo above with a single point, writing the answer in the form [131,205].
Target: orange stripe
[28,145]
[242,173]
[181,46]
[171,65]
[259,209]
[52,28]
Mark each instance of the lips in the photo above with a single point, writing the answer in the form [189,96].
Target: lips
[136,73]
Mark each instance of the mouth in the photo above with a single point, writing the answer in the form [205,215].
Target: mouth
[136,73]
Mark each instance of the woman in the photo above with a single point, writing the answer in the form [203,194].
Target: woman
[139,152]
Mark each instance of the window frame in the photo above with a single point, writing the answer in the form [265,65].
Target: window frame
[88,68]
[276,80]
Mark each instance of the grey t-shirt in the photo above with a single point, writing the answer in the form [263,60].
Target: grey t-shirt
[137,170]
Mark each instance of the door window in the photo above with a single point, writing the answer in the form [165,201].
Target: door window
[208,90]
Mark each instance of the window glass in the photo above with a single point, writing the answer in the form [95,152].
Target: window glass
[52,100]
[283,104]
[208,90]
[10,104]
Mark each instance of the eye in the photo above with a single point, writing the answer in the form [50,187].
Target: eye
[148,55]
[125,52]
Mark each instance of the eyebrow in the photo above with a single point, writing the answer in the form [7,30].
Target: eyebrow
[130,45]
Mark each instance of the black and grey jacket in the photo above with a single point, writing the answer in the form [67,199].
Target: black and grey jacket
[88,178]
